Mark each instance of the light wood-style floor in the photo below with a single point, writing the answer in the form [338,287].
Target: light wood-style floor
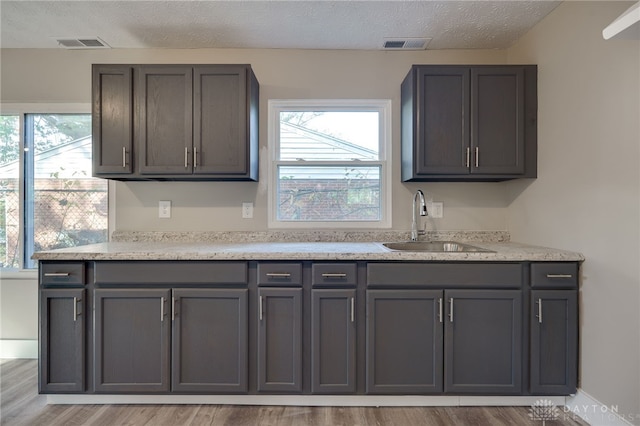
[20,404]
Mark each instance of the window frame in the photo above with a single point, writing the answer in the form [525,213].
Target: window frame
[22,110]
[383,106]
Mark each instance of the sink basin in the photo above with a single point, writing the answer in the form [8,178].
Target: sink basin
[434,246]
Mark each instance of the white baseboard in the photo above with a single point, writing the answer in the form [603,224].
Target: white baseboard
[18,348]
[306,400]
[594,412]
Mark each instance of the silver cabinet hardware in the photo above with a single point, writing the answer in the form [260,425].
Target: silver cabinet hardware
[195,157]
[440,309]
[75,309]
[57,274]
[186,157]
[162,309]
[451,310]
[477,157]
[559,276]
[260,308]
[173,308]
[353,309]
[539,316]
[468,157]
[334,275]
[124,157]
[278,274]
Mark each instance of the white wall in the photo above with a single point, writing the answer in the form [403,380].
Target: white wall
[587,195]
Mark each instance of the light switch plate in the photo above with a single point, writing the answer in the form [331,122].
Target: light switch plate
[435,210]
[247,210]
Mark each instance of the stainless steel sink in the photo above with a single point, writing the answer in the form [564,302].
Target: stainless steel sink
[434,246]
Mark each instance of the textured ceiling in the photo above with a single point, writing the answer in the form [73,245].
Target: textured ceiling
[305,24]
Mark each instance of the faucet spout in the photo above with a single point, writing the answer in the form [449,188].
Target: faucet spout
[418,202]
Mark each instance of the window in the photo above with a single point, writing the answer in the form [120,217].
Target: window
[330,164]
[48,199]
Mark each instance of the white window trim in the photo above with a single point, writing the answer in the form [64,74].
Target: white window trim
[275,106]
[22,109]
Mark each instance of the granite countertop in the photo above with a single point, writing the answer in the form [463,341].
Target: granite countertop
[302,246]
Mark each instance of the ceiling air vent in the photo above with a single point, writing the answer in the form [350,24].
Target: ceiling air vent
[81,43]
[406,43]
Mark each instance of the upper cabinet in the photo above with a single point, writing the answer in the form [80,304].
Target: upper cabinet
[469,123]
[175,122]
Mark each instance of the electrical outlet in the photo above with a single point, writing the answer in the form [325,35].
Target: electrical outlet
[164,209]
[435,210]
[247,210]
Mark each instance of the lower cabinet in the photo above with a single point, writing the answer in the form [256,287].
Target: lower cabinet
[204,330]
[404,341]
[333,341]
[483,341]
[62,340]
[280,339]
[554,343]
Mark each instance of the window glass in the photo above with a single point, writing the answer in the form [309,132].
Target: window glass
[9,191]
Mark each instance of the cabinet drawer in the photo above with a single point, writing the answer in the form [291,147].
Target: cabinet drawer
[280,274]
[444,275]
[554,275]
[175,273]
[333,274]
[62,273]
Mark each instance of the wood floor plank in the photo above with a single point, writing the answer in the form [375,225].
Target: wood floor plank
[21,405]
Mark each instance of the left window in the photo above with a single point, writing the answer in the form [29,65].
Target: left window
[48,199]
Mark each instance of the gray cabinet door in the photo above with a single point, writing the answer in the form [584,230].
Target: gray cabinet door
[210,329]
[112,119]
[333,341]
[483,341]
[132,340]
[62,340]
[497,121]
[404,341]
[164,125]
[554,341]
[443,113]
[280,339]
[220,128]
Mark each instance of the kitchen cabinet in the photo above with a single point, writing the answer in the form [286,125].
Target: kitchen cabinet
[469,123]
[210,340]
[189,122]
[333,341]
[112,120]
[280,339]
[483,341]
[404,341]
[554,328]
[62,340]
[132,340]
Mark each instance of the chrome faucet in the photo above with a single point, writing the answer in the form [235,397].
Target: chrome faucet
[419,196]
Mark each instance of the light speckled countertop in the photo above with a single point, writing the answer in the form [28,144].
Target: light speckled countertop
[302,246]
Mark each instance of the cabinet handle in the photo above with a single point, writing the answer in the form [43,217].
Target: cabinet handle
[195,157]
[451,310]
[468,157]
[559,276]
[440,309]
[173,308]
[539,311]
[57,274]
[186,157]
[124,157]
[334,275]
[353,309]
[260,307]
[162,309]
[477,157]
[278,274]
[75,309]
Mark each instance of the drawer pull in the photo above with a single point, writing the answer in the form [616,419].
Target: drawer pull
[559,276]
[468,157]
[57,274]
[186,157]
[477,157]
[451,310]
[334,275]
[195,157]
[260,308]
[278,274]
[75,309]
[353,309]
[440,309]
[539,311]
[162,309]
[124,157]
